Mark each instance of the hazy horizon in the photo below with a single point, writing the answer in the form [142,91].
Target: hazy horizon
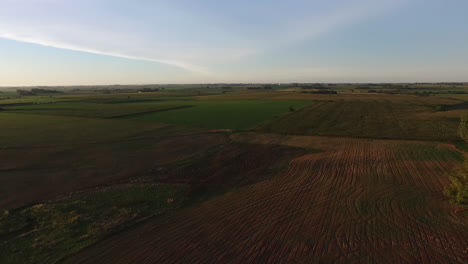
[72,43]
[222,83]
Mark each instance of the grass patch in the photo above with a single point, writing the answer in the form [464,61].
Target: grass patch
[46,233]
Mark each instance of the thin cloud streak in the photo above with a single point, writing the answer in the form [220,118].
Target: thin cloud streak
[182,65]
[193,54]
[216,42]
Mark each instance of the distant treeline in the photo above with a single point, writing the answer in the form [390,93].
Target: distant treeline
[144,90]
[420,93]
[440,92]
[321,92]
[313,85]
[37,91]
[264,87]
[385,91]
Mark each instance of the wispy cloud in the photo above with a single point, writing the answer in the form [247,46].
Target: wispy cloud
[67,46]
[163,32]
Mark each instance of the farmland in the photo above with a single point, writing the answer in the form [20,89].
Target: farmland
[251,175]
[357,201]
[222,114]
[368,119]
[233,114]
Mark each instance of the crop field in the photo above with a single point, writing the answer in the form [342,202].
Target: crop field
[233,114]
[358,201]
[44,156]
[103,110]
[236,174]
[368,119]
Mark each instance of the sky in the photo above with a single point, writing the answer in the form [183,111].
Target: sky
[91,42]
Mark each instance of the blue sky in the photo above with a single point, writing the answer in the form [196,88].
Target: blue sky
[66,42]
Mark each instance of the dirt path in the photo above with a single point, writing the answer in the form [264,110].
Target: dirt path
[358,201]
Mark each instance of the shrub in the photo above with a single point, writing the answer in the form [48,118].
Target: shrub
[464,128]
[458,190]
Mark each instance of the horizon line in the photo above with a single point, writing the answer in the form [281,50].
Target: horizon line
[231,83]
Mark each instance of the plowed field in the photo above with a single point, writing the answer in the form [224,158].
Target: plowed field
[359,200]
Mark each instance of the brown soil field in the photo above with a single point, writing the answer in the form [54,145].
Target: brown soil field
[230,166]
[359,200]
[30,174]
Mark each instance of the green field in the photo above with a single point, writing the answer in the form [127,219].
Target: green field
[95,110]
[233,114]
[367,119]
[244,114]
